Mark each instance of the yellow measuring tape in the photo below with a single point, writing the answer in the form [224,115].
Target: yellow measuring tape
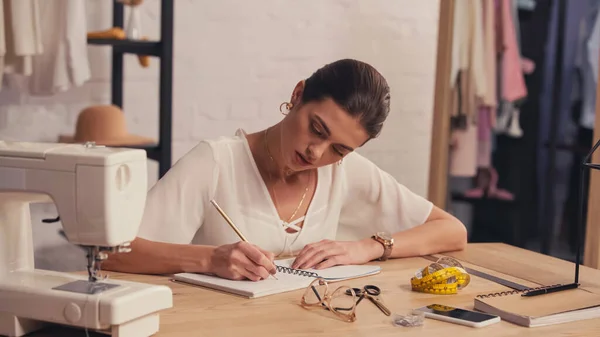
[446,276]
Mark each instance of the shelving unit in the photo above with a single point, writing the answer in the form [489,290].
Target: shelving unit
[162,49]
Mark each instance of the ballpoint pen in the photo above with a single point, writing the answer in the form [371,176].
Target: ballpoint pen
[231,224]
[542,291]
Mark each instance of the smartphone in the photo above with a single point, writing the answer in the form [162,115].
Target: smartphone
[459,316]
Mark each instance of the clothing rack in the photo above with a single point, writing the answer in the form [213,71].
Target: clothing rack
[530,219]
[163,49]
[547,221]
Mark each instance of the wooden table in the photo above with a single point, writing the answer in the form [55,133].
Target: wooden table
[203,312]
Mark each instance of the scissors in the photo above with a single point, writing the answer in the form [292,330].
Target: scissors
[372,293]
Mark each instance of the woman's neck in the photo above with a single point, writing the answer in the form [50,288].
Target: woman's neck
[270,144]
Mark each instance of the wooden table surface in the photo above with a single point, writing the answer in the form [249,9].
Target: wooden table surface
[203,312]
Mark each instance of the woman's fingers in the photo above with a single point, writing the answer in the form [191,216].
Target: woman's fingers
[252,262]
[257,256]
[315,254]
[319,257]
[257,272]
[330,262]
[267,253]
[306,253]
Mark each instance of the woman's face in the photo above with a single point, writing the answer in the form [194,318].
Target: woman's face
[319,133]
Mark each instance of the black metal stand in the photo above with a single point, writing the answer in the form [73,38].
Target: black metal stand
[162,49]
[579,228]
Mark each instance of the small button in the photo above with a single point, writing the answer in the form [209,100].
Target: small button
[123,177]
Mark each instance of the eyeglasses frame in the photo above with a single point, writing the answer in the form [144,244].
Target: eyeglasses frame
[327,297]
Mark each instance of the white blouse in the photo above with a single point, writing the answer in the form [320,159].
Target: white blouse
[352,201]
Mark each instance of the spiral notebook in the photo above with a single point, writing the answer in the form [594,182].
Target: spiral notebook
[548,309]
[288,279]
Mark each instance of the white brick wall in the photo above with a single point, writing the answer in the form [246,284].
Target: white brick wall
[236,61]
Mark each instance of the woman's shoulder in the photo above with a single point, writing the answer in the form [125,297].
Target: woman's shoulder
[219,144]
[219,148]
[355,163]
[225,140]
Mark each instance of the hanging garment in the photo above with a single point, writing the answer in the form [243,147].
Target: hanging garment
[484,137]
[468,83]
[467,62]
[545,99]
[489,53]
[526,4]
[20,36]
[556,94]
[583,84]
[512,87]
[514,129]
[587,61]
[516,23]
[64,63]
[513,82]
[487,116]
[463,154]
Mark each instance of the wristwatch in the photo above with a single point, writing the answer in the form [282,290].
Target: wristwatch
[387,241]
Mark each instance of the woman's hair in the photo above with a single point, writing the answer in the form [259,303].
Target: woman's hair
[355,86]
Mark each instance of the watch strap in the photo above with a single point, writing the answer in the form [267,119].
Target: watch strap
[387,247]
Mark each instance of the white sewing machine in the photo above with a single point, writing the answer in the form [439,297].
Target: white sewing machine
[100,194]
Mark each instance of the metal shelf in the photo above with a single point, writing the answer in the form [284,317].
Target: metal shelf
[152,48]
[163,49]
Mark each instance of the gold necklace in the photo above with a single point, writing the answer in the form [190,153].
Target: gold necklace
[271,178]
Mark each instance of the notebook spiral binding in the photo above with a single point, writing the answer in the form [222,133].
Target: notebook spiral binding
[512,292]
[298,272]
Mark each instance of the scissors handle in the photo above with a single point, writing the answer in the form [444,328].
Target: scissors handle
[380,305]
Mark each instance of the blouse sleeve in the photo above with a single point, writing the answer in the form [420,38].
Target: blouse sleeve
[175,205]
[375,201]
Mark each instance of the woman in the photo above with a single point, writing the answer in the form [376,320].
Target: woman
[297,188]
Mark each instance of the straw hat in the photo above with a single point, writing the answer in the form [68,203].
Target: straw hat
[105,125]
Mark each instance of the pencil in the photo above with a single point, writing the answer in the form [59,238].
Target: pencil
[231,224]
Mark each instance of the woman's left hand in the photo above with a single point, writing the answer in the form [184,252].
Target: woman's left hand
[328,253]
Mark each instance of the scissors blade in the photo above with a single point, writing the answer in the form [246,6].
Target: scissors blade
[380,305]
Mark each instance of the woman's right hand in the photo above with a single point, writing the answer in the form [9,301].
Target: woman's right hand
[242,260]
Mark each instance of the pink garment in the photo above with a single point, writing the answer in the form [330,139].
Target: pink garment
[484,138]
[527,65]
[463,155]
[469,67]
[490,54]
[513,84]
[484,131]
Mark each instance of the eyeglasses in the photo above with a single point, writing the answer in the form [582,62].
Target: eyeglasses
[342,301]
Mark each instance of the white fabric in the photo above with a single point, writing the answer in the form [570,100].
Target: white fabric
[20,36]
[468,44]
[64,63]
[47,53]
[352,201]
[458,60]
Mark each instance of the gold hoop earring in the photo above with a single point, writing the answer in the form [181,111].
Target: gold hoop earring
[288,107]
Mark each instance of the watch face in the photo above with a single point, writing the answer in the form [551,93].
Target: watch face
[384,236]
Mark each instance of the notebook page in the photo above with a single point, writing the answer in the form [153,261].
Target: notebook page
[544,305]
[247,288]
[285,281]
